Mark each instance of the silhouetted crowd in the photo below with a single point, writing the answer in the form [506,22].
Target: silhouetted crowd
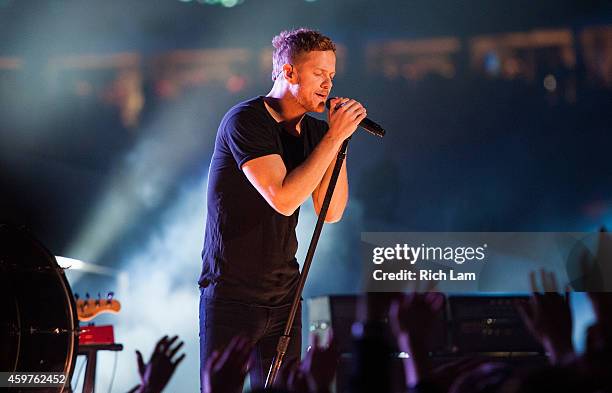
[547,315]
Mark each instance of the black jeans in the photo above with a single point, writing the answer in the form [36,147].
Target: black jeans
[220,320]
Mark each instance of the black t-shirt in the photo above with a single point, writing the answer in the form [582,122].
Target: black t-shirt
[249,248]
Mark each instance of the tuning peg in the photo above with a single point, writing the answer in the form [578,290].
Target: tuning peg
[87,295]
[76,296]
[99,297]
[110,295]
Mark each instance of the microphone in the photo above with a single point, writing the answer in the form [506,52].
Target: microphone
[369,125]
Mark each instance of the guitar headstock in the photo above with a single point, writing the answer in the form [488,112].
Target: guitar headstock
[88,309]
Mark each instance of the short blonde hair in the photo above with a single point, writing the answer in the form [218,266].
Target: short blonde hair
[288,45]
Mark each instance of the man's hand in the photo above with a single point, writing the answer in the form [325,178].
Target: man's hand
[549,318]
[224,372]
[155,374]
[344,120]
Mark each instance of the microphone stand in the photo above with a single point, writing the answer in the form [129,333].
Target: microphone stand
[283,341]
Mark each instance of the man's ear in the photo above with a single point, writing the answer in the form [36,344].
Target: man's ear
[288,71]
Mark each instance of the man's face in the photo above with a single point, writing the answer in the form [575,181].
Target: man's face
[313,80]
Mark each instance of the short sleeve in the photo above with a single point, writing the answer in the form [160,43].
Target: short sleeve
[248,136]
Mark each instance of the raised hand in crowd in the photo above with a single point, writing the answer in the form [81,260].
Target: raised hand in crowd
[446,375]
[597,357]
[294,379]
[225,371]
[320,363]
[412,319]
[486,377]
[548,317]
[289,379]
[315,373]
[602,300]
[155,374]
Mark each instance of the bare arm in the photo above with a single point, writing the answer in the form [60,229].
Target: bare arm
[285,192]
[340,196]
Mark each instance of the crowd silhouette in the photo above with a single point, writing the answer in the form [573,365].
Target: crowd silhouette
[547,315]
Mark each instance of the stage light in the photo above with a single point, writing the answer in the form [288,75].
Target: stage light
[224,3]
[69,263]
[229,3]
[75,264]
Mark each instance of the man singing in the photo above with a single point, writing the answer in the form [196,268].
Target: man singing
[269,157]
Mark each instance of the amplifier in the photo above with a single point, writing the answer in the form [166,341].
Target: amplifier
[487,326]
[469,324]
[339,312]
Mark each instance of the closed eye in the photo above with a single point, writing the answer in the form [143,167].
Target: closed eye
[321,75]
